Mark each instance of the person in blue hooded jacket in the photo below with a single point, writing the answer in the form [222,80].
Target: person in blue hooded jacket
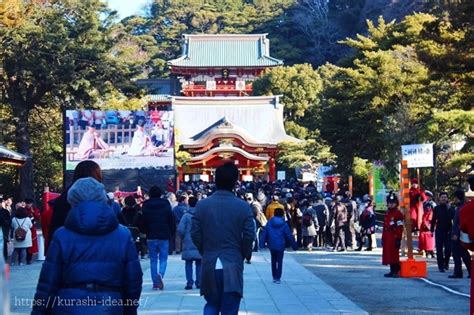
[92,266]
[276,234]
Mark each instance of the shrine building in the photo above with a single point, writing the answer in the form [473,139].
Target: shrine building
[217,119]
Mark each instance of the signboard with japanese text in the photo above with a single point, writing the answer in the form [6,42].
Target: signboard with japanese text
[418,155]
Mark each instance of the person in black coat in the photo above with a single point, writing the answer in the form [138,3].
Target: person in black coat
[5,223]
[130,217]
[441,225]
[92,266]
[158,223]
[60,205]
[322,212]
[460,254]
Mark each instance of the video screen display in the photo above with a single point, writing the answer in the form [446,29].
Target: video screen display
[120,139]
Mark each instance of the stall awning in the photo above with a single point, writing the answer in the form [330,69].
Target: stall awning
[11,157]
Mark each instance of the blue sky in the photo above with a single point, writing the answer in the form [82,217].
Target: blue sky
[127,7]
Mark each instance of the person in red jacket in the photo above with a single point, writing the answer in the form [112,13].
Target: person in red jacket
[417,197]
[467,232]
[392,236]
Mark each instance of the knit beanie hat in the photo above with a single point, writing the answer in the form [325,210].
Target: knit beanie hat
[86,189]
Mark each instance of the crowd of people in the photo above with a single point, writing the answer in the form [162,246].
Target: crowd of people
[275,215]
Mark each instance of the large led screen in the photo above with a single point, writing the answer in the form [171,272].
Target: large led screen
[120,139]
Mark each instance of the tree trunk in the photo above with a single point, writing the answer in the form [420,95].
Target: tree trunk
[23,146]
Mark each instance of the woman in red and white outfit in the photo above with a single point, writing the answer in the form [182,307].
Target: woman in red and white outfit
[426,240]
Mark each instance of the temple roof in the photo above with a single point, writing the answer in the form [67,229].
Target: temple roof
[226,50]
[258,119]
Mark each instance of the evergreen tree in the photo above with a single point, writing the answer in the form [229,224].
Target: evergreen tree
[57,55]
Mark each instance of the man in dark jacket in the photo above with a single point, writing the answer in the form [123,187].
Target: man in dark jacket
[441,225]
[460,254]
[158,223]
[322,213]
[223,230]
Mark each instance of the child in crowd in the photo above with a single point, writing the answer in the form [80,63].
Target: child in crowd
[276,234]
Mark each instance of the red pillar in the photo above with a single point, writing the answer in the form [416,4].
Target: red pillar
[46,215]
[350,184]
[180,177]
[272,170]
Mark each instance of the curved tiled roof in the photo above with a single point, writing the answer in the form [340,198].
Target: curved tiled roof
[225,50]
[260,116]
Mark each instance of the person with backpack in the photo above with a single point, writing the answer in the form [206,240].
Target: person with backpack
[130,217]
[259,216]
[276,234]
[21,235]
[310,225]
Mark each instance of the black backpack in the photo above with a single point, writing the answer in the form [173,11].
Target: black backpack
[307,219]
[132,227]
